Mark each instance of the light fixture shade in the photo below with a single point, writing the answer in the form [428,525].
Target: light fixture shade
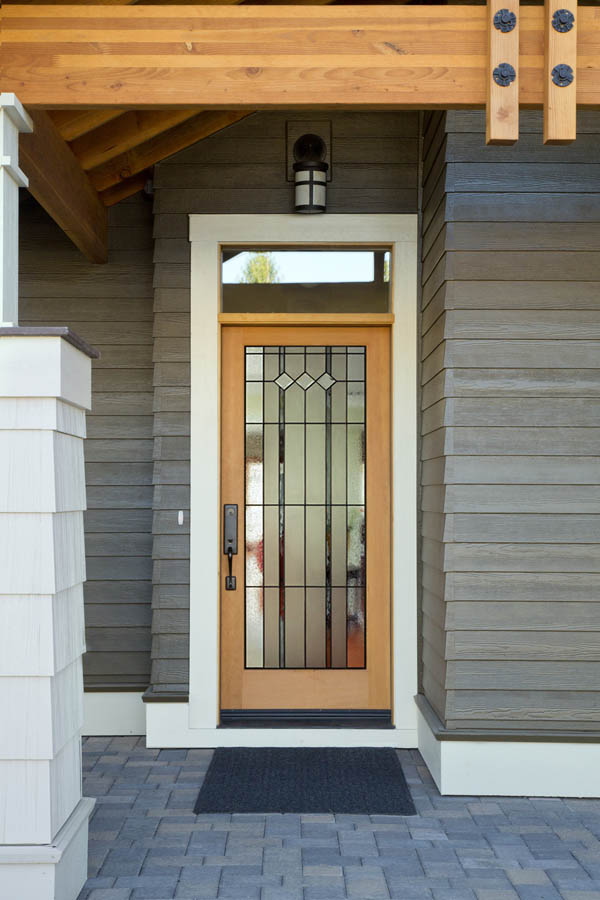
[310,174]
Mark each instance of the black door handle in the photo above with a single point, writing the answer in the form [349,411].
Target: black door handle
[230,541]
[230,580]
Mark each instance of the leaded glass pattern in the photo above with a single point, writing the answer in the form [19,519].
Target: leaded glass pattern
[305,524]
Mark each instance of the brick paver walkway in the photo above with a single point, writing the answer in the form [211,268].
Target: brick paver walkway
[145,843]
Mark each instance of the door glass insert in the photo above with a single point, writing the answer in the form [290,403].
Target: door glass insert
[305,524]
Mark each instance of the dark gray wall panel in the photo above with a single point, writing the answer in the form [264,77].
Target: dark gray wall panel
[110,306]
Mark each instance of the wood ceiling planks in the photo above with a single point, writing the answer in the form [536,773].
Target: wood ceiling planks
[73,123]
[127,131]
[131,162]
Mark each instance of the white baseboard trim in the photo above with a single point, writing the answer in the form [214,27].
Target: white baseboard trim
[54,871]
[510,768]
[167,725]
[107,713]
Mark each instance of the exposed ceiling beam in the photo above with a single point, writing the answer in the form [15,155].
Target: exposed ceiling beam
[132,2]
[247,56]
[59,2]
[146,155]
[129,130]
[184,2]
[73,123]
[265,57]
[59,184]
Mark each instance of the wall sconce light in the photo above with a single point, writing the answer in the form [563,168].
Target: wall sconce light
[310,174]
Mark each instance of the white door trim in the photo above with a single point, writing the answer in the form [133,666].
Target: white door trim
[195,724]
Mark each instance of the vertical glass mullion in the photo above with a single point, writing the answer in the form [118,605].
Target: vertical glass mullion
[262,510]
[328,598]
[305,516]
[346,510]
[245,507]
[364,573]
[281,514]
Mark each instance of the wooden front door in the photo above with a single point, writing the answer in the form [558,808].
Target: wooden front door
[305,438]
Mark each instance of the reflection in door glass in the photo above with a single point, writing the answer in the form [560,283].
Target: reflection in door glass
[305,528]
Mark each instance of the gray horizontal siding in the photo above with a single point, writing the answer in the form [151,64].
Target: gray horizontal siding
[511,428]
[432,607]
[110,307]
[241,170]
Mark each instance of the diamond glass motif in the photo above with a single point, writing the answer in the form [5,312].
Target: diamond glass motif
[284,381]
[305,380]
[325,381]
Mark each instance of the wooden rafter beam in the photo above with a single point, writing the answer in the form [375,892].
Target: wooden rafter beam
[59,184]
[147,154]
[172,2]
[125,2]
[59,2]
[127,131]
[73,123]
[125,188]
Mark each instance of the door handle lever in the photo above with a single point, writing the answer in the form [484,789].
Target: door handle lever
[230,580]
[230,541]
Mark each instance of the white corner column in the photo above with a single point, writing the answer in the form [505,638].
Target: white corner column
[45,388]
[13,120]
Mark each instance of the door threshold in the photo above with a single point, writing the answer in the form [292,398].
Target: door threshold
[306,718]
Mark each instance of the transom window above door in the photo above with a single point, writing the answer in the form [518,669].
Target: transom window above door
[305,280]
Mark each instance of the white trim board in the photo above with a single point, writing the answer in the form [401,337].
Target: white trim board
[168,726]
[510,768]
[109,713]
[207,233]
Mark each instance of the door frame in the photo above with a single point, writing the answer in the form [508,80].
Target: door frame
[195,723]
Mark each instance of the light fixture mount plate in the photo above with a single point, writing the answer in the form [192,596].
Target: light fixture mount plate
[295,128]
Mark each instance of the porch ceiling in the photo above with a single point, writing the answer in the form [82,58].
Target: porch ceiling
[106,155]
[107,152]
[114,150]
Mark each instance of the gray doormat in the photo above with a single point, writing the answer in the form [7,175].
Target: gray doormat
[353,780]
